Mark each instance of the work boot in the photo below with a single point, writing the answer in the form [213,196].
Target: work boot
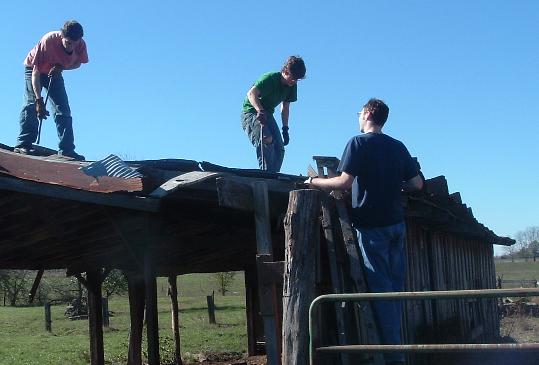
[23,150]
[74,155]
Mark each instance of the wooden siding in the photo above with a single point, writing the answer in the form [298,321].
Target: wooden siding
[438,260]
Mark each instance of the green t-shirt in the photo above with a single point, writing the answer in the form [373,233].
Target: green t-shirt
[272,92]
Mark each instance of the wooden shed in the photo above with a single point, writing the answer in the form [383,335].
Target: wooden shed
[448,249]
[182,216]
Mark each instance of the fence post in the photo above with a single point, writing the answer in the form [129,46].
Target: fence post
[211,308]
[106,321]
[48,320]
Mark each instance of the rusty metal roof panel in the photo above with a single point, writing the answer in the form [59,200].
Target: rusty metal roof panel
[52,170]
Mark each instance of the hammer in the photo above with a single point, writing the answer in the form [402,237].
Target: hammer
[41,119]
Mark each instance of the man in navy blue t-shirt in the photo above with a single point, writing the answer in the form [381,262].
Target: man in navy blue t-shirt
[378,168]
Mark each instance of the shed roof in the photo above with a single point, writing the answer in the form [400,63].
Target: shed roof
[197,216]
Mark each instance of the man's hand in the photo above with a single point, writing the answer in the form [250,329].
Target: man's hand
[56,70]
[261,117]
[286,136]
[42,112]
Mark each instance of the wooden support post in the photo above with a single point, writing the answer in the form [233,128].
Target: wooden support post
[95,317]
[152,321]
[302,233]
[267,292]
[106,321]
[35,286]
[173,292]
[48,320]
[211,308]
[136,311]
[254,320]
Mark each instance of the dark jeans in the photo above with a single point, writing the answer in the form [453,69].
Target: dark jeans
[60,111]
[273,152]
[385,262]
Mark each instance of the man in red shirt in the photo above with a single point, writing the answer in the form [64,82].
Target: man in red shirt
[55,52]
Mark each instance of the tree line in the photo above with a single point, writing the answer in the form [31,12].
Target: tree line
[526,246]
[15,286]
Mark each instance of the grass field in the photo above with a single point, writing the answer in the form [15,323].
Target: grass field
[518,270]
[23,339]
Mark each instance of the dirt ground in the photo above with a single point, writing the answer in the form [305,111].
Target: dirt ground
[516,328]
[521,328]
[228,359]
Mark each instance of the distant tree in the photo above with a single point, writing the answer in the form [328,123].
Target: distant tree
[3,276]
[527,242]
[59,288]
[224,280]
[511,251]
[533,248]
[15,285]
[115,284]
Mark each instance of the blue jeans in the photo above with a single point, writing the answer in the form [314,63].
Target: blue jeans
[384,257]
[273,152]
[60,111]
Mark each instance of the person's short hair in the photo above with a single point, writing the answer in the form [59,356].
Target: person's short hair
[72,30]
[378,109]
[295,66]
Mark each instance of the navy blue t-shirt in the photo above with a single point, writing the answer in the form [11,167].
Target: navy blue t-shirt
[380,164]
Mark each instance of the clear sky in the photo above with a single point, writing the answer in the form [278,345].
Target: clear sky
[166,79]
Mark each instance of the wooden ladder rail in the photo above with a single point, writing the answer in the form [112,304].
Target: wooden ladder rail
[336,274]
[366,326]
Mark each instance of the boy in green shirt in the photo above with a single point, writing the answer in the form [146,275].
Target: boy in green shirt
[270,90]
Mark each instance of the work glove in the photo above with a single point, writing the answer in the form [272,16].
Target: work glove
[261,117]
[286,137]
[56,70]
[42,112]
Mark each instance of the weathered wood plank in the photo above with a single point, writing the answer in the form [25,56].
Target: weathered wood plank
[267,292]
[363,316]
[437,186]
[271,272]
[254,321]
[301,233]
[182,181]
[60,192]
[335,272]
[236,192]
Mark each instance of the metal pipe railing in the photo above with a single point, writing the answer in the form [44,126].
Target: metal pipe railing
[446,294]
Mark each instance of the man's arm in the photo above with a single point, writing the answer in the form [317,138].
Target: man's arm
[254,98]
[342,182]
[414,184]
[36,82]
[285,112]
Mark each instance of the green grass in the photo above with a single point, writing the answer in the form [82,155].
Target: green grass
[518,270]
[23,339]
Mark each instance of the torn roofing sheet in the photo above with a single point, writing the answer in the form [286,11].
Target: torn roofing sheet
[65,173]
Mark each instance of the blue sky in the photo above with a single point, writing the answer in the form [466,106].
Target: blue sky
[167,80]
